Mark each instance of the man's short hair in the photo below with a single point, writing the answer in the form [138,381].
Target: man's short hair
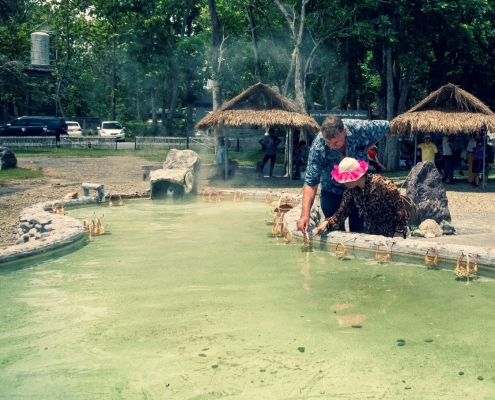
[331,127]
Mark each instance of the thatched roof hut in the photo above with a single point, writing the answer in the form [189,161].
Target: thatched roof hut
[259,105]
[449,110]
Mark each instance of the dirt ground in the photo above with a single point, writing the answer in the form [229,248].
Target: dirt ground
[472,209]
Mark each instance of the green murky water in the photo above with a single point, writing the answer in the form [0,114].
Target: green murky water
[195,301]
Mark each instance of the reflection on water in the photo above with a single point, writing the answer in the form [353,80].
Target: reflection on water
[194,300]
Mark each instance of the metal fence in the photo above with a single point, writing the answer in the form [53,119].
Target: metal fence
[193,143]
[28,142]
[42,142]
[170,142]
[198,144]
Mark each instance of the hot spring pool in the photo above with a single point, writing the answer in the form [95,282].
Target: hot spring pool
[195,301]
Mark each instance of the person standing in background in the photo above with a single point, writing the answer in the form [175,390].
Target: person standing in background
[478,159]
[427,150]
[470,157]
[269,143]
[447,159]
[301,159]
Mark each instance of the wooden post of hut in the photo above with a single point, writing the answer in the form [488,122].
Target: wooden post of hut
[291,150]
[226,161]
[415,148]
[288,153]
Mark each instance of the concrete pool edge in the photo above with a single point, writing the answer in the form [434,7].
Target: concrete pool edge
[49,230]
[67,230]
[406,247]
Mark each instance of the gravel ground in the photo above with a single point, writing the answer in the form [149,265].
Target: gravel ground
[472,210]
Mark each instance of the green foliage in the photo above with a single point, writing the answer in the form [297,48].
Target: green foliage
[19,173]
[134,56]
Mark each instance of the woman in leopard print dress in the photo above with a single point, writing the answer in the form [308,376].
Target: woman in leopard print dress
[377,199]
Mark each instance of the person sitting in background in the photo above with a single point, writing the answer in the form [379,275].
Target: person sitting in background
[373,159]
[220,160]
[377,199]
[427,150]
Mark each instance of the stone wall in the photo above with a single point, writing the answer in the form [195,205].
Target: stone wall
[41,230]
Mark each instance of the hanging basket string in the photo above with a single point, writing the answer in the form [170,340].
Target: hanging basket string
[468,269]
[431,259]
[382,256]
[238,196]
[93,227]
[110,203]
[58,208]
[208,193]
[306,244]
[288,237]
[340,251]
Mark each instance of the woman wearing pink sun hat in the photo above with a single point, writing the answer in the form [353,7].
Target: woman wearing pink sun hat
[377,199]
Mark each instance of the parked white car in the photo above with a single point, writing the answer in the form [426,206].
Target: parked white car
[74,129]
[111,129]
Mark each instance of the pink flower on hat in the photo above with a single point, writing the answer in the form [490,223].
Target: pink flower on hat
[349,170]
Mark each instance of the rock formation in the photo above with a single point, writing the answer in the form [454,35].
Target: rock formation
[7,158]
[178,175]
[425,189]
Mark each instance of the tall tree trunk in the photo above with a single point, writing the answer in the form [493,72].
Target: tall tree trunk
[254,39]
[186,24]
[154,119]
[299,84]
[325,87]
[60,78]
[296,63]
[216,41]
[285,87]
[113,107]
[382,112]
[138,104]
[404,88]
[186,32]
[189,120]
[5,113]
[392,153]
[390,84]
[173,106]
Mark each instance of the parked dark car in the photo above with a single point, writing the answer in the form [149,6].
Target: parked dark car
[35,126]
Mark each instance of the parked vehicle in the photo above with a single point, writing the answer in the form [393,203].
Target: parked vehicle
[35,126]
[111,129]
[74,129]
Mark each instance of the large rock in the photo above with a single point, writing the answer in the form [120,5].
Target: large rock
[7,158]
[425,189]
[178,176]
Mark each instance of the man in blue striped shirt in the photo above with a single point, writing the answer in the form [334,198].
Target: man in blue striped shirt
[336,140]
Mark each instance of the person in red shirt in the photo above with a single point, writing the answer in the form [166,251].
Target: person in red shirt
[373,159]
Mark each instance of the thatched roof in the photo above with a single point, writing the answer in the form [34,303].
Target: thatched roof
[259,105]
[449,110]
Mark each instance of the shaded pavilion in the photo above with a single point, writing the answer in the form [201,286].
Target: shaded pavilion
[262,106]
[449,110]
